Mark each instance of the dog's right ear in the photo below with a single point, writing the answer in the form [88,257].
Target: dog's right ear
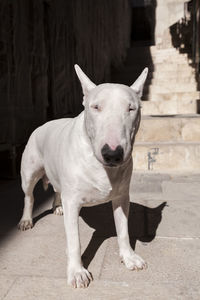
[138,85]
[86,83]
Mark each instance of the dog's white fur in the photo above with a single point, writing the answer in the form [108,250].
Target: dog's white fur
[67,153]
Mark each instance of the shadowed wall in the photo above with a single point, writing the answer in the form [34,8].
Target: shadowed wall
[40,40]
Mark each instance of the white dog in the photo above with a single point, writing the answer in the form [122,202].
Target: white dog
[88,161]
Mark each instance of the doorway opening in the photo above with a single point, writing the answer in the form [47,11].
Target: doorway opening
[143,22]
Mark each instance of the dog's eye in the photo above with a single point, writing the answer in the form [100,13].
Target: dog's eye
[131,108]
[96,107]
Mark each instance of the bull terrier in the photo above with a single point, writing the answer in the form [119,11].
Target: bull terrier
[88,161]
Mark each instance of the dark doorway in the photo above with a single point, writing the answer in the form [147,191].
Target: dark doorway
[143,21]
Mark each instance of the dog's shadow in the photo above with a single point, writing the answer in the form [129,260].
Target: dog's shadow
[143,224]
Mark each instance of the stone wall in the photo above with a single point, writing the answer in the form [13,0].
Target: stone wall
[168,12]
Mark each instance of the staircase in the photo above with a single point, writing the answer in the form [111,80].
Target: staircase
[169,134]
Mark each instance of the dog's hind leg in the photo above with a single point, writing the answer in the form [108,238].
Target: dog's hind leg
[31,171]
[57,205]
[28,185]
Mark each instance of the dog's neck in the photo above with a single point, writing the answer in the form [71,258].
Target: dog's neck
[123,172]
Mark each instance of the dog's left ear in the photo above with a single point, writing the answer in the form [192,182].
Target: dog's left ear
[86,83]
[138,85]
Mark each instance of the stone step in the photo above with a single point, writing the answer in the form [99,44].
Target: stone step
[167,75]
[170,156]
[182,128]
[157,59]
[167,67]
[149,51]
[148,55]
[172,58]
[170,87]
[175,67]
[165,52]
[170,107]
[179,96]
[128,76]
[161,51]
[162,67]
[169,60]
[165,81]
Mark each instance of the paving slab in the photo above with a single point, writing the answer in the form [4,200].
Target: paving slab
[170,262]
[164,229]
[170,218]
[41,251]
[181,190]
[55,288]
[6,284]
[33,255]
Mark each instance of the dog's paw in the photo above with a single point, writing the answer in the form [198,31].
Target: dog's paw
[58,211]
[134,262]
[25,225]
[79,279]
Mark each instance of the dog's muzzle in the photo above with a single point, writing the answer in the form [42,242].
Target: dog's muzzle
[111,157]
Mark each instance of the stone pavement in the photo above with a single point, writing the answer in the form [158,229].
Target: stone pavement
[164,229]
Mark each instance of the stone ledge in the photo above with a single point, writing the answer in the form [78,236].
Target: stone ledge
[168,156]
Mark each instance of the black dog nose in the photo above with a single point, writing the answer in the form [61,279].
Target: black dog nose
[112,157]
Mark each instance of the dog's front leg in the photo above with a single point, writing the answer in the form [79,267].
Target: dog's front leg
[121,210]
[78,276]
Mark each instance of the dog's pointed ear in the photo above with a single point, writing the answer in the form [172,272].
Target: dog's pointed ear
[138,85]
[86,83]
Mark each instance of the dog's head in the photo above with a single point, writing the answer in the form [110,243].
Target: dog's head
[112,117]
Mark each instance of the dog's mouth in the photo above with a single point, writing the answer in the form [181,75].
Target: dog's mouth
[117,165]
[111,165]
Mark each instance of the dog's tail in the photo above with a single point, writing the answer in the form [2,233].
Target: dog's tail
[45,182]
